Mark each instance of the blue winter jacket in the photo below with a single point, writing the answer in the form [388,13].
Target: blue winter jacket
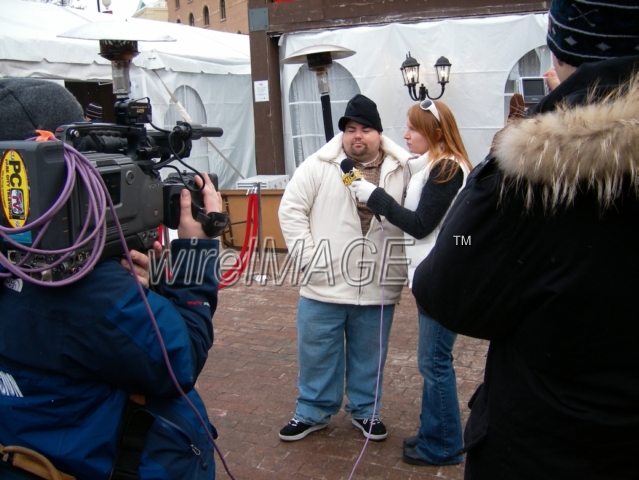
[70,356]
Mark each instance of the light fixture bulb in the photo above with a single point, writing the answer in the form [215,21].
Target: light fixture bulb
[442,67]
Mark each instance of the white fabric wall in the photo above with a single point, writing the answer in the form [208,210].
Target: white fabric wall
[482,52]
[228,104]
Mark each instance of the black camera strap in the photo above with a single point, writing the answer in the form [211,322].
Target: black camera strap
[213,223]
[135,425]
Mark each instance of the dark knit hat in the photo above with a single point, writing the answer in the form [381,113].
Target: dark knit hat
[29,104]
[362,110]
[93,111]
[582,31]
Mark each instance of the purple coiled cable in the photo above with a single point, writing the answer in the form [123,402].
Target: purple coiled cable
[78,168]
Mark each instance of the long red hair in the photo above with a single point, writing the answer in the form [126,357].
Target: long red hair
[440,149]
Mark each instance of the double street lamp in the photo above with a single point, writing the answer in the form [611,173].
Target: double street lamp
[410,72]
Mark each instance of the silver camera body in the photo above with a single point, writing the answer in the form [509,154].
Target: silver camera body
[533,89]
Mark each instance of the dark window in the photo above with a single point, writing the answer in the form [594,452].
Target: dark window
[206,16]
[191,20]
[178,21]
[177,3]
[223,9]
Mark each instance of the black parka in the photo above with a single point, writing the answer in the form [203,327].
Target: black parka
[540,255]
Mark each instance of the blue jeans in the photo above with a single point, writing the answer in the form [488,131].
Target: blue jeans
[440,432]
[334,341]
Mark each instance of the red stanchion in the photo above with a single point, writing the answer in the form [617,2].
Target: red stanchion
[248,246]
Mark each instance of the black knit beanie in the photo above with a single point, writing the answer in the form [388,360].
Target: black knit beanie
[362,110]
[29,104]
[582,31]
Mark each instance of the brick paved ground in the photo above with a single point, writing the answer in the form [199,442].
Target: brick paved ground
[249,387]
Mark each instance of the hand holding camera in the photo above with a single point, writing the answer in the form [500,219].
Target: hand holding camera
[211,203]
[141,263]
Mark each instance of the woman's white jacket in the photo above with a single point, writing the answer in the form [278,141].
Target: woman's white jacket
[417,249]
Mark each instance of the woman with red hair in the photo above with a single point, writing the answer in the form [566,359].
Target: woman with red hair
[436,174]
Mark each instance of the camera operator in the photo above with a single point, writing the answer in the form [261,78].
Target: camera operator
[73,357]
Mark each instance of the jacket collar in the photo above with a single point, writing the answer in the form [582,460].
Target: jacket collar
[417,163]
[333,150]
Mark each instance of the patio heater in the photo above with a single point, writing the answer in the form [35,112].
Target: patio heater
[118,44]
[319,59]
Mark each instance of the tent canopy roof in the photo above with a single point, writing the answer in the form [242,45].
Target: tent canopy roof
[30,34]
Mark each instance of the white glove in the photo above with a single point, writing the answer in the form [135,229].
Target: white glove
[362,189]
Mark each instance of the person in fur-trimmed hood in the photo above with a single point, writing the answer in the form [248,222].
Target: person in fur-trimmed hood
[549,270]
[351,279]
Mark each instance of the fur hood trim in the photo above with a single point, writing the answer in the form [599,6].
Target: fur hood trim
[333,149]
[592,146]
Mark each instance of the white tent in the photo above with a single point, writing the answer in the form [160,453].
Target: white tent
[483,53]
[208,71]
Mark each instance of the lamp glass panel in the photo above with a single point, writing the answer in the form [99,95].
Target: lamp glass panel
[443,73]
[404,75]
[411,75]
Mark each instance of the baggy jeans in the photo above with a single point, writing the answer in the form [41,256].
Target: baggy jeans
[337,341]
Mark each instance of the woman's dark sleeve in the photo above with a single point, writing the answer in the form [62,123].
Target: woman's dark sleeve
[433,204]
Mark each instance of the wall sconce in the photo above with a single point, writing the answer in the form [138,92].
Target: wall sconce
[410,72]
[319,59]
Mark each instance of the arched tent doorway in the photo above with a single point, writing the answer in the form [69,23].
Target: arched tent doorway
[532,64]
[305,107]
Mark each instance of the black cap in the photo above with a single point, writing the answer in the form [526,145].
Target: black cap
[29,104]
[362,110]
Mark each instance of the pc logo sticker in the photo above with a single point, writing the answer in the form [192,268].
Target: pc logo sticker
[14,189]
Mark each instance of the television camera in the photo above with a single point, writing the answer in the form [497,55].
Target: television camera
[128,159]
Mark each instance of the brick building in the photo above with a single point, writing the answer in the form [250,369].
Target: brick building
[223,15]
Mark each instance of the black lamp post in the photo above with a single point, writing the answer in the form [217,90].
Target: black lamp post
[319,59]
[410,72]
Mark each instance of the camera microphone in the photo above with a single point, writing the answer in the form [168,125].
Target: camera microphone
[194,131]
[352,174]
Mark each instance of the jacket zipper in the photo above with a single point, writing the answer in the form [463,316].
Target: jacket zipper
[184,438]
[359,288]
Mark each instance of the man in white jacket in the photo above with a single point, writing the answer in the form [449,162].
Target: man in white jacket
[354,271]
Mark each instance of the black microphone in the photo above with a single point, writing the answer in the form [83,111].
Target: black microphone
[351,174]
